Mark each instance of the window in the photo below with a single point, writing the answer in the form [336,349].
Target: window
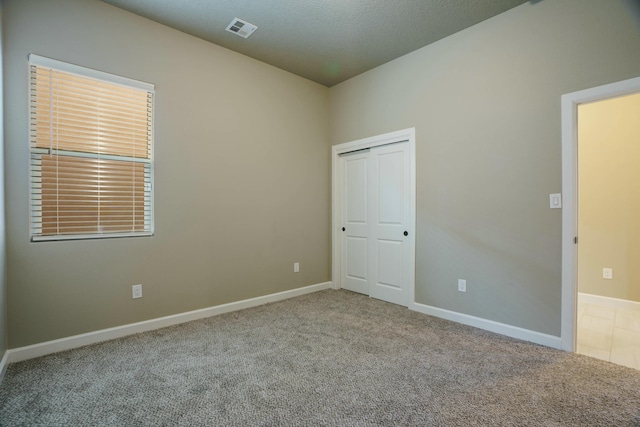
[91,145]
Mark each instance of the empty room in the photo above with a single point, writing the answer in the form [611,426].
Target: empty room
[355,212]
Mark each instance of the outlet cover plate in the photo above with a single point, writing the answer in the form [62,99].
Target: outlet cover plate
[462,285]
[136,291]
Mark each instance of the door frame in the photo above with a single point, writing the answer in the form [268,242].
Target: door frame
[407,135]
[569,105]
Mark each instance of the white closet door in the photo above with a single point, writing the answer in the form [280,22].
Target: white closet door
[390,216]
[376,203]
[355,222]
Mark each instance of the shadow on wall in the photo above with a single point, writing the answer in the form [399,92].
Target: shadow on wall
[634,11]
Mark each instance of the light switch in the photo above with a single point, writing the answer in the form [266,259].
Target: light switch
[555,201]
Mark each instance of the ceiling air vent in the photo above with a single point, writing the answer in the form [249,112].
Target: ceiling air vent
[241,28]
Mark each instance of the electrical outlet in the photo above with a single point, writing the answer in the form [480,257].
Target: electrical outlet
[607,273]
[136,291]
[462,285]
[296,267]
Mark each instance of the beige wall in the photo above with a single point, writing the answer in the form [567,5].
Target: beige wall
[609,197]
[485,103]
[242,177]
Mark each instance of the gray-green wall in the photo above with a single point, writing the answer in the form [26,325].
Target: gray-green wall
[243,173]
[485,103]
[242,177]
[3,277]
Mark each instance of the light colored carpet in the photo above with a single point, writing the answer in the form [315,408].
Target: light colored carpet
[329,358]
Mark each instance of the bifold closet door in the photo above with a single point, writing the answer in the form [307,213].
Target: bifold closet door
[376,217]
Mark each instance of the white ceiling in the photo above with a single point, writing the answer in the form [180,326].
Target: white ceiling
[327,41]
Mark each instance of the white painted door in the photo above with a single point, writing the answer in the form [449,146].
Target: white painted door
[355,222]
[390,216]
[376,213]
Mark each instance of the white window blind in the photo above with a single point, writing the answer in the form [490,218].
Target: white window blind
[91,144]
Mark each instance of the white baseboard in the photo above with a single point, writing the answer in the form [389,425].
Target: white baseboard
[68,343]
[608,301]
[3,365]
[490,325]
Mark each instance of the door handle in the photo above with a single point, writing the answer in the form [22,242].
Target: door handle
[406,233]
[342,228]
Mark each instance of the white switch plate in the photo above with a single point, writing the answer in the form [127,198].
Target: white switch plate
[136,291]
[555,201]
[462,285]
[607,273]
[296,267]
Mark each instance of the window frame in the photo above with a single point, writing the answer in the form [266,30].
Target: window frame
[99,76]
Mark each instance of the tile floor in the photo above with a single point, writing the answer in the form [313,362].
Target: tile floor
[609,333]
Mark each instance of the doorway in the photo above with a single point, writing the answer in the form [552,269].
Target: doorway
[608,279]
[585,267]
[373,216]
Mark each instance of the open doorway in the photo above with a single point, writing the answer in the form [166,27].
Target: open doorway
[576,299]
[608,205]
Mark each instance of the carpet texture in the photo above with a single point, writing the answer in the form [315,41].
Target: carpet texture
[330,358]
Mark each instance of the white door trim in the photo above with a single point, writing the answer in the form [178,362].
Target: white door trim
[570,104]
[361,144]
